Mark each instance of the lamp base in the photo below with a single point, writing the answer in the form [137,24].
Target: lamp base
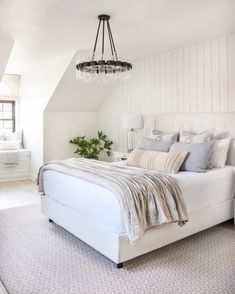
[130,140]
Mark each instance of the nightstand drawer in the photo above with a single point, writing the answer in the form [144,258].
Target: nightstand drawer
[18,171]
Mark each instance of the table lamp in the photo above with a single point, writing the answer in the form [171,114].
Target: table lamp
[131,122]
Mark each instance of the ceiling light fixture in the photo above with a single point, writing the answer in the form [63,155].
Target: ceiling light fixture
[107,68]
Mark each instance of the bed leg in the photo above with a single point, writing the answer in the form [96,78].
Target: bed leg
[50,220]
[119,265]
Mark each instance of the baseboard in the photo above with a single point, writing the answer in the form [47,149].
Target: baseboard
[14,179]
[33,176]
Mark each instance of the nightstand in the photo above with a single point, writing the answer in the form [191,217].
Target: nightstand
[119,156]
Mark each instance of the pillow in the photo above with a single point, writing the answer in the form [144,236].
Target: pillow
[153,145]
[198,154]
[9,145]
[218,153]
[16,136]
[164,137]
[167,162]
[192,137]
[2,135]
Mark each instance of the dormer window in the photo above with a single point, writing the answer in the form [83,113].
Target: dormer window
[7,115]
[9,103]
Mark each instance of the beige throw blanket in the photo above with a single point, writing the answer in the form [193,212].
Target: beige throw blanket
[146,198]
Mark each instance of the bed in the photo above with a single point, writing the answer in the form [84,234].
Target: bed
[208,197]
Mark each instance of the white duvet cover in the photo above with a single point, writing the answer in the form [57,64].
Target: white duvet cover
[100,205]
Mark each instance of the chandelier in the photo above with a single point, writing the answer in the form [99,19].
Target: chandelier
[100,66]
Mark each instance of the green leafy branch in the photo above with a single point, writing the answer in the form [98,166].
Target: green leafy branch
[91,148]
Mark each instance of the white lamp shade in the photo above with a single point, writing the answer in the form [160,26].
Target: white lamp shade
[132,121]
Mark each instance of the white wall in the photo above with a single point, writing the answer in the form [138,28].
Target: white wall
[37,87]
[6,46]
[75,95]
[60,127]
[199,78]
[71,111]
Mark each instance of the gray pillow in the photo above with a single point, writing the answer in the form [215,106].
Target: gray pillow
[198,154]
[153,145]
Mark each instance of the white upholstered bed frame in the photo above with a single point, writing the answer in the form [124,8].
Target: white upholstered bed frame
[117,248]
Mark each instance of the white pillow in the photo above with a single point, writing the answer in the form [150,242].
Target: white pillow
[219,152]
[2,135]
[164,137]
[193,137]
[16,136]
[9,145]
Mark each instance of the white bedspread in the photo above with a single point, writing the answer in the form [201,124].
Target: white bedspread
[100,205]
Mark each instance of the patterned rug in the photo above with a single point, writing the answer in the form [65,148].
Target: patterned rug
[2,289]
[40,257]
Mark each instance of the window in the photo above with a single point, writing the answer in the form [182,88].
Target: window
[7,115]
[9,102]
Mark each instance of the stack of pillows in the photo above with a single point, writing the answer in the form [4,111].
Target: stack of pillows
[184,151]
[11,141]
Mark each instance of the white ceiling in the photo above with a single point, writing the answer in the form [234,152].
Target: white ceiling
[44,29]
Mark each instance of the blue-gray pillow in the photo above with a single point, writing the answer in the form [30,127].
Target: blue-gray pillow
[153,145]
[197,158]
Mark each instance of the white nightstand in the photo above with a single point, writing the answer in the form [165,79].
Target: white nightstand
[119,156]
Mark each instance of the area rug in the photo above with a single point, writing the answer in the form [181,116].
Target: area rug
[40,257]
[2,289]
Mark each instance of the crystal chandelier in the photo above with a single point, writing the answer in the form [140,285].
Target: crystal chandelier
[102,67]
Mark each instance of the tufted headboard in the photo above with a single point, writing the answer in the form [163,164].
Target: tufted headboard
[222,123]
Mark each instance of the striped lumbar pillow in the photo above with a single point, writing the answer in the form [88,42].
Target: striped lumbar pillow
[167,162]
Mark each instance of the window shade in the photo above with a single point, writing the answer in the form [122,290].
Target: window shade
[9,86]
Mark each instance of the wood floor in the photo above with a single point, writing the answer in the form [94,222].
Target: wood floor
[18,193]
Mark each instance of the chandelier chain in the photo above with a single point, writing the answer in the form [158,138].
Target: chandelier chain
[96,39]
[111,37]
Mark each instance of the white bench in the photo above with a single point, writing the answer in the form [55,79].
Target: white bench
[18,171]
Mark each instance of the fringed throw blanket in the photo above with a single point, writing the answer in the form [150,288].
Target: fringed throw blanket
[146,198]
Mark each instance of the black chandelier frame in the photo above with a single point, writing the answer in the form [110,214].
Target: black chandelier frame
[104,66]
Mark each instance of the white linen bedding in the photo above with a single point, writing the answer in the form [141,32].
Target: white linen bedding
[100,205]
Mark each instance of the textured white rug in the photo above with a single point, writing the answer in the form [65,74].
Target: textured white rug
[2,289]
[40,257]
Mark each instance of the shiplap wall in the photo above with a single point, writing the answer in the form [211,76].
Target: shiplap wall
[199,78]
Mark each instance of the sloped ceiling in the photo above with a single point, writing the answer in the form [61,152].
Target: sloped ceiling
[74,95]
[5,50]
[45,29]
